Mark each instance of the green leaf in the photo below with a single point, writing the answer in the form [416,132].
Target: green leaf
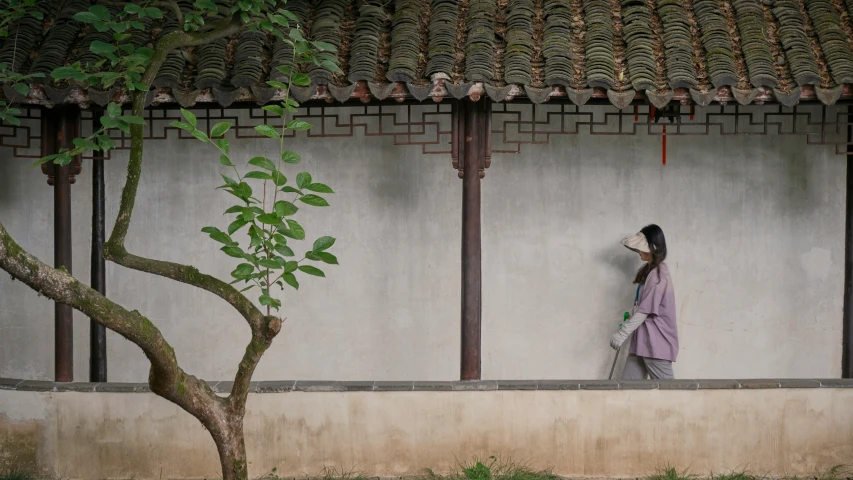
[190,116]
[101,48]
[267,130]
[278,178]
[323,243]
[248,215]
[154,12]
[290,279]
[258,175]
[221,237]
[269,219]
[284,208]
[233,251]
[110,78]
[331,66]
[86,17]
[245,190]
[236,225]
[182,126]
[223,145]
[267,263]
[298,125]
[64,73]
[101,12]
[106,143]
[223,159]
[291,266]
[279,85]
[267,300]
[327,257]
[235,209]
[295,34]
[303,179]
[228,180]
[84,143]
[284,250]
[219,129]
[290,190]
[296,230]
[311,270]
[22,88]
[314,200]
[324,46]
[242,270]
[290,157]
[46,159]
[290,16]
[210,229]
[274,109]
[300,79]
[263,162]
[200,135]
[132,9]
[320,188]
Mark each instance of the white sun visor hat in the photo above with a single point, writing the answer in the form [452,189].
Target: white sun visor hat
[637,243]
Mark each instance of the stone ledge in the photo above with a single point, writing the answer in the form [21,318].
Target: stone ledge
[284,386]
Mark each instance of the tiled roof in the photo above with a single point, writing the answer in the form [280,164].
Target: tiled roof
[689,50]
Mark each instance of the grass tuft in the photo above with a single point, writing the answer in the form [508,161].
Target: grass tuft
[671,473]
[14,474]
[493,468]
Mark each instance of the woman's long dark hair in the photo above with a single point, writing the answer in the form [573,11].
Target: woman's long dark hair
[657,245]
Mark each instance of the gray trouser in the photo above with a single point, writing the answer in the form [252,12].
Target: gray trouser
[640,368]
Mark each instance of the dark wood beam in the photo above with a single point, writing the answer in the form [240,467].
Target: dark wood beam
[97,332]
[59,128]
[471,148]
[847,318]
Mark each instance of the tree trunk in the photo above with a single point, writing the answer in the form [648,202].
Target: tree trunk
[232,449]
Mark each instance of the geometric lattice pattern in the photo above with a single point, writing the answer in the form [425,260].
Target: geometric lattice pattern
[429,126]
[514,125]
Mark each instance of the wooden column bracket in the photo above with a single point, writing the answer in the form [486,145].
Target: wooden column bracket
[59,127]
[471,156]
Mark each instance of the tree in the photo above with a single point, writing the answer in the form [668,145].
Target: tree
[266,218]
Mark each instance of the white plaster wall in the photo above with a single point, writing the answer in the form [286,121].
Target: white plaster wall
[754,224]
[390,311]
[755,232]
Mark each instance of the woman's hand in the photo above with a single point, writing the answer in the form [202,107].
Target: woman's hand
[618,339]
[627,329]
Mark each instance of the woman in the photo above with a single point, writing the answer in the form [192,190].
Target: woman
[654,346]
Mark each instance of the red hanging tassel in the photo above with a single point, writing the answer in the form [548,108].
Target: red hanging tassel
[663,146]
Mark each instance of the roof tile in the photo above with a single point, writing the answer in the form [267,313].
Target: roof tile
[537,48]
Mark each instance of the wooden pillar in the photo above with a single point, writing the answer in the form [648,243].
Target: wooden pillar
[97,332]
[60,126]
[847,318]
[472,124]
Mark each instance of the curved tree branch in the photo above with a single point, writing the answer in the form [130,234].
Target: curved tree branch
[166,378]
[261,341]
[114,249]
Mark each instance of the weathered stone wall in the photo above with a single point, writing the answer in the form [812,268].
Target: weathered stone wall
[576,429]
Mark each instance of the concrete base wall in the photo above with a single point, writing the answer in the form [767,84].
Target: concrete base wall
[577,433]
